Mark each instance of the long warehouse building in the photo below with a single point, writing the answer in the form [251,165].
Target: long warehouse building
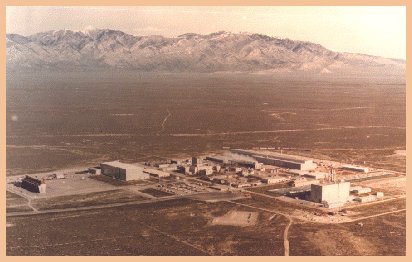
[280,160]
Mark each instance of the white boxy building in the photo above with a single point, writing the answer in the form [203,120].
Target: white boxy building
[335,194]
[279,160]
[123,171]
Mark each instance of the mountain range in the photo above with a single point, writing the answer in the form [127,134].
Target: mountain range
[217,52]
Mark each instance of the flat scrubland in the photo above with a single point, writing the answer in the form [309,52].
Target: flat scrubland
[176,227]
[191,227]
[84,200]
[63,120]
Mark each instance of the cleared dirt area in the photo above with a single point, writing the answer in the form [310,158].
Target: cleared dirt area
[384,235]
[236,218]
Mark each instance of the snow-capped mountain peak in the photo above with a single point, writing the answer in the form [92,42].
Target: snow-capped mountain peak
[220,51]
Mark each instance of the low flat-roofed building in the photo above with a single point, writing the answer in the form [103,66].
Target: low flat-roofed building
[303,182]
[123,171]
[316,175]
[269,169]
[206,171]
[170,167]
[365,199]
[33,184]
[275,179]
[60,176]
[193,170]
[379,194]
[331,193]
[163,165]
[156,172]
[95,170]
[297,172]
[241,184]
[360,190]
[355,168]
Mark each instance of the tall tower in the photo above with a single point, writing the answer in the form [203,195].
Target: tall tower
[196,161]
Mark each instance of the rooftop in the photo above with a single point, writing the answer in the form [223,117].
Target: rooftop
[119,164]
[271,154]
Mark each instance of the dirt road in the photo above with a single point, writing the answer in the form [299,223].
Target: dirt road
[286,230]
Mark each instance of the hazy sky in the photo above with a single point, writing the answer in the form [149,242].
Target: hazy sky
[370,30]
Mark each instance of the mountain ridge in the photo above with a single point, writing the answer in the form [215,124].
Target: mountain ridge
[216,52]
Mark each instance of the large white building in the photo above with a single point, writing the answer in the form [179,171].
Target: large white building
[123,171]
[280,160]
[334,194]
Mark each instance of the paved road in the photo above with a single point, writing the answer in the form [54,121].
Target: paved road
[378,215]
[73,209]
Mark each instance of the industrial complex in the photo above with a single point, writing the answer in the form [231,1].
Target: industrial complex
[316,182]
[263,191]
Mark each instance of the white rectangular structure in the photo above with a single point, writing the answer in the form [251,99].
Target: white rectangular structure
[379,194]
[280,160]
[366,199]
[356,168]
[302,181]
[275,179]
[316,175]
[330,193]
[362,190]
[123,171]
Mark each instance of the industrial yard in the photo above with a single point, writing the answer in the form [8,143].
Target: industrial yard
[265,194]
